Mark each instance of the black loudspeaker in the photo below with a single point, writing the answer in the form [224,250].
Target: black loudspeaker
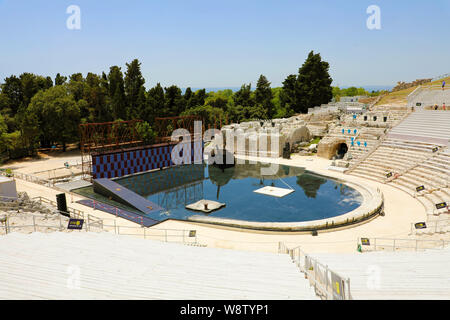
[61,201]
[287,151]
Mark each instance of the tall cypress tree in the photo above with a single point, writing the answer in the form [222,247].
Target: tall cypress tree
[117,93]
[288,94]
[134,84]
[174,101]
[263,97]
[313,83]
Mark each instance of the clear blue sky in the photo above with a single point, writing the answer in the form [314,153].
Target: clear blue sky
[201,43]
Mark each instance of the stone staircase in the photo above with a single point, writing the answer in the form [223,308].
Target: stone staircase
[426,126]
[409,152]
[44,266]
[394,275]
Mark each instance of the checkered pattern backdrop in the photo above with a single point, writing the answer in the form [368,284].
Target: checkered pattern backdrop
[129,162]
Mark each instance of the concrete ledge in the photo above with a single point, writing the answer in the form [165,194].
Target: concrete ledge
[370,208]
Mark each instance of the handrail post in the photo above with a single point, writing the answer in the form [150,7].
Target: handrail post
[348,289]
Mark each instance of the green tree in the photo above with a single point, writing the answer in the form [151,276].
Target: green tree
[146,132]
[134,89]
[188,94]
[57,114]
[263,97]
[117,93]
[96,97]
[208,113]
[175,103]
[155,105]
[12,88]
[60,80]
[313,83]
[3,132]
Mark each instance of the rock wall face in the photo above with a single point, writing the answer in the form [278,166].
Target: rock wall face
[327,147]
[265,138]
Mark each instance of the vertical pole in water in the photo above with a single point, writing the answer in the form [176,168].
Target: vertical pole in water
[115,227]
[165,234]
[393,249]
[34,223]
[60,222]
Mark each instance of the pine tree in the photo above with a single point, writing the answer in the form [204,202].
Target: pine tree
[134,83]
[117,93]
[263,97]
[288,94]
[313,83]
[155,105]
[174,101]
[59,80]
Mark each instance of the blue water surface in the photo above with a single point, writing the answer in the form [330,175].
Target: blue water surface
[314,197]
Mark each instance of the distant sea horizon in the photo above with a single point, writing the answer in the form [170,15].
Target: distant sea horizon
[368,88]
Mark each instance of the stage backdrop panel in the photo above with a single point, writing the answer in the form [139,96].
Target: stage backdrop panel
[124,162]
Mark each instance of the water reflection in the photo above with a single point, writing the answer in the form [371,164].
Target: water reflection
[310,184]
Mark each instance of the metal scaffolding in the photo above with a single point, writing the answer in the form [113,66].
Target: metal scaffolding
[97,138]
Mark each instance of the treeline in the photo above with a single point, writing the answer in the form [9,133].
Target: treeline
[354,91]
[39,112]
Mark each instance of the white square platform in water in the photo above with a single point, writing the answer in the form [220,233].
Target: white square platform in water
[274,191]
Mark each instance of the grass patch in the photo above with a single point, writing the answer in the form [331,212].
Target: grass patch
[400,96]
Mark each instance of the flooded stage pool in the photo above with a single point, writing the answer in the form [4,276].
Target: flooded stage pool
[315,197]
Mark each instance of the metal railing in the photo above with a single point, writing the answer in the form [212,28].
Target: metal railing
[392,244]
[27,177]
[95,224]
[164,235]
[328,284]
[75,213]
